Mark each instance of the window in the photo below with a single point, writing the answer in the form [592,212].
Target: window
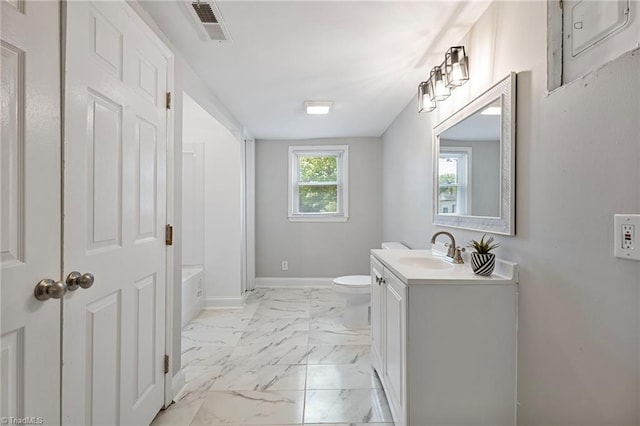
[318,183]
[454,181]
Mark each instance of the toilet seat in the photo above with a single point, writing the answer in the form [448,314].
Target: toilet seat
[353,284]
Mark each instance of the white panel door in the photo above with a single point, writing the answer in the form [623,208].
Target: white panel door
[30,210]
[115,214]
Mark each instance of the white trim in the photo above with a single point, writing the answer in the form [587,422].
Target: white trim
[224,302]
[243,216]
[554,45]
[250,214]
[342,153]
[319,218]
[463,173]
[288,282]
[170,218]
[178,385]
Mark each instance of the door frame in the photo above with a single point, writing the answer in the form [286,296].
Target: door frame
[249,212]
[170,281]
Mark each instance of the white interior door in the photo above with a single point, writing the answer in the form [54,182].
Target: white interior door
[115,215]
[30,210]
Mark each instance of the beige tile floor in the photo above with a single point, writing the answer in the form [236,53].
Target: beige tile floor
[283,359]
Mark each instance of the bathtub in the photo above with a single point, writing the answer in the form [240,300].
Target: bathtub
[192,296]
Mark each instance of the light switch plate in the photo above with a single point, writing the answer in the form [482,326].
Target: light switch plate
[626,243]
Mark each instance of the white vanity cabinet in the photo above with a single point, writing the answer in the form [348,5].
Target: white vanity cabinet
[388,334]
[444,346]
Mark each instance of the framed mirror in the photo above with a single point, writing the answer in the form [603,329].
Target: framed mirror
[474,163]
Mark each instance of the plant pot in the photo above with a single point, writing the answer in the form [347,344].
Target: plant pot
[483,264]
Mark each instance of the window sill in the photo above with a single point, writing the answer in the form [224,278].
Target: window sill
[312,218]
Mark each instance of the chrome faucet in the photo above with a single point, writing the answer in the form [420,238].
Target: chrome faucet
[453,252]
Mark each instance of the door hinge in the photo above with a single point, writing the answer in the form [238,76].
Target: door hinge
[168,235]
[168,100]
[166,364]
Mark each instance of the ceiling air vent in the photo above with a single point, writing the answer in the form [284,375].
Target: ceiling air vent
[209,21]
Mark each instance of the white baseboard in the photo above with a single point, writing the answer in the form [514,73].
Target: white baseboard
[178,384]
[224,302]
[279,282]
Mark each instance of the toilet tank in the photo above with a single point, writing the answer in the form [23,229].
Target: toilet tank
[394,246]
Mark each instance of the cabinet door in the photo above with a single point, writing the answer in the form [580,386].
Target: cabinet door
[377,315]
[395,325]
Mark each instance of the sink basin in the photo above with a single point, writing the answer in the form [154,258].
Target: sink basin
[425,262]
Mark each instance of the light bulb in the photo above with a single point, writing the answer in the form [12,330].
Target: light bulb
[442,91]
[456,72]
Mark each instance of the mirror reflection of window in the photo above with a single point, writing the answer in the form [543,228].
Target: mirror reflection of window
[477,192]
[454,181]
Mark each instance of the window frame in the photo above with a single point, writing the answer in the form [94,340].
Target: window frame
[341,152]
[463,193]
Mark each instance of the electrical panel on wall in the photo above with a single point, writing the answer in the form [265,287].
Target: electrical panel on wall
[595,32]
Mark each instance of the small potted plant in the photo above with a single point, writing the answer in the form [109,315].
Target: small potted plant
[482,260]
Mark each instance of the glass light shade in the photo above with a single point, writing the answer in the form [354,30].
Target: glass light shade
[439,89]
[425,104]
[456,66]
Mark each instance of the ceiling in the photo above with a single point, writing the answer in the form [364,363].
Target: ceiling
[477,127]
[366,56]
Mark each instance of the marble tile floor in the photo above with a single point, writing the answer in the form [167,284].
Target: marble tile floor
[283,359]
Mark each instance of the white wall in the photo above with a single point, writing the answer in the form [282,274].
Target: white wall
[578,155]
[222,203]
[312,249]
[192,203]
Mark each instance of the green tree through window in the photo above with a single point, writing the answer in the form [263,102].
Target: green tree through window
[318,184]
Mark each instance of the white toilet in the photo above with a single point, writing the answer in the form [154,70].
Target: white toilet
[356,289]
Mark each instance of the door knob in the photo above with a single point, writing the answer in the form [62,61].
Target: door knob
[75,279]
[49,289]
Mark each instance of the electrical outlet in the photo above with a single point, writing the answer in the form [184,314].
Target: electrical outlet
[628,235]
[285,265]
[625,244]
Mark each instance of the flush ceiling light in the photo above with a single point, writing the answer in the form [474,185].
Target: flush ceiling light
[425,104]
[318,107]
[456,67]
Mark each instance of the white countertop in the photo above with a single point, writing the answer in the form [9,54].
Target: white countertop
[405,264]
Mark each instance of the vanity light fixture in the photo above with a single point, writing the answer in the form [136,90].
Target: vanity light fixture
[456,66]
[439,88]
[318,107]
[425,104]
[443,78]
